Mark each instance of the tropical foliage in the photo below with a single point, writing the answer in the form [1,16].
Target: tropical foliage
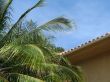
[27,54]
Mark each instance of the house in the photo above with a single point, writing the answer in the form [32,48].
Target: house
[94,58]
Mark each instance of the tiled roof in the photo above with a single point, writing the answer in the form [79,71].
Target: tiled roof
[85,44]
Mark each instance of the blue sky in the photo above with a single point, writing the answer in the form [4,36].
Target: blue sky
[92,18]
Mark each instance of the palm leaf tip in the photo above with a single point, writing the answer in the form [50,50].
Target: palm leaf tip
[64,21]
[40,3]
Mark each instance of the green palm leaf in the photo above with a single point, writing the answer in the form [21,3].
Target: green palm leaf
[14,54]
[58,24]
[16,77]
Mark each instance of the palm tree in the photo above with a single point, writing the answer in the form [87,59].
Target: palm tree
[27,55]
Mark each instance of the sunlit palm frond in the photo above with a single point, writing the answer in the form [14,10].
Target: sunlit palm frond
[27,55]
[20,54]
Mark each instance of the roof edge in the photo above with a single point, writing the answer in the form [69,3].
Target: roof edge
[90,42]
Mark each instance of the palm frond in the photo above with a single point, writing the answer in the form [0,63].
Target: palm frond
[35,61]
[1,7]
[16,77]
[18,54]
[57,24]
[45,71]
[8,35]
[5,14]
[38,4]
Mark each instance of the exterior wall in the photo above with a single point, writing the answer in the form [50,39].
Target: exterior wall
[97,69]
